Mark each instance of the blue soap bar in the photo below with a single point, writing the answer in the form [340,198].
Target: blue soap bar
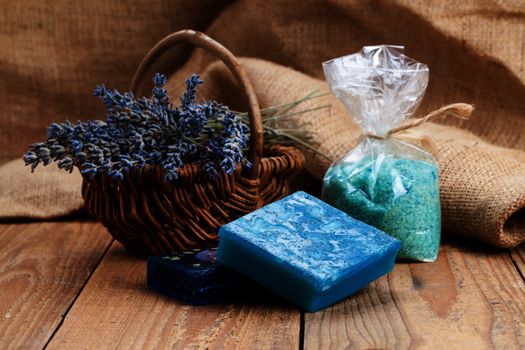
[195,277]
[306,250]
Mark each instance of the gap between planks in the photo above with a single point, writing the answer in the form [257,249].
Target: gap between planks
[78,294]
[116,310]
[518,258]
[43,266]
[470,297]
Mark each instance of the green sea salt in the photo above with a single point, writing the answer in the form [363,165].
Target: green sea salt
[398,196]
[384,181]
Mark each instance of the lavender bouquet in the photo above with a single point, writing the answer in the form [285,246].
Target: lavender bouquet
[140,131]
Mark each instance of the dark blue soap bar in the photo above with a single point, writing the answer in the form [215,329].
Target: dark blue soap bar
[195,277]
[306,250]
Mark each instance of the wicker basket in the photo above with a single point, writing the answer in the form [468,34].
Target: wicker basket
[152,217]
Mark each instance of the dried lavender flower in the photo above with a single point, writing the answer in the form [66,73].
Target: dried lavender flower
[147,131]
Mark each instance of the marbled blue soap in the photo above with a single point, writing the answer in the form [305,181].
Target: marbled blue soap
[306,250]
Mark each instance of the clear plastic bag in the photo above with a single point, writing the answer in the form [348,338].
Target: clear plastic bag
[386,182]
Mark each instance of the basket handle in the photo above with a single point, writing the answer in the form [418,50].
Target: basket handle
[205,42]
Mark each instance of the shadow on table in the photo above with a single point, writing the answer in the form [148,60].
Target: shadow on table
[253,295]
[130,274]
[468,245]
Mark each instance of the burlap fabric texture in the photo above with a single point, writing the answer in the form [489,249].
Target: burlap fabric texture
[482,185]
[51,193]
[54,53]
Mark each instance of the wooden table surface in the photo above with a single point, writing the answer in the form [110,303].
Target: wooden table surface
[69,285]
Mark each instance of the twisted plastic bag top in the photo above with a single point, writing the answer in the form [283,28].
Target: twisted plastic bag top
[379,86]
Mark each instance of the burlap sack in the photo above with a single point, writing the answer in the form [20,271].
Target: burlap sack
[53,54]
[482,185]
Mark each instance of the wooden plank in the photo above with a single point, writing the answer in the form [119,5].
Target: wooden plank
[468,299]
[43,267]
[116,310]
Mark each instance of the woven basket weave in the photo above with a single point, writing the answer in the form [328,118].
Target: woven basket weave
[152,217]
